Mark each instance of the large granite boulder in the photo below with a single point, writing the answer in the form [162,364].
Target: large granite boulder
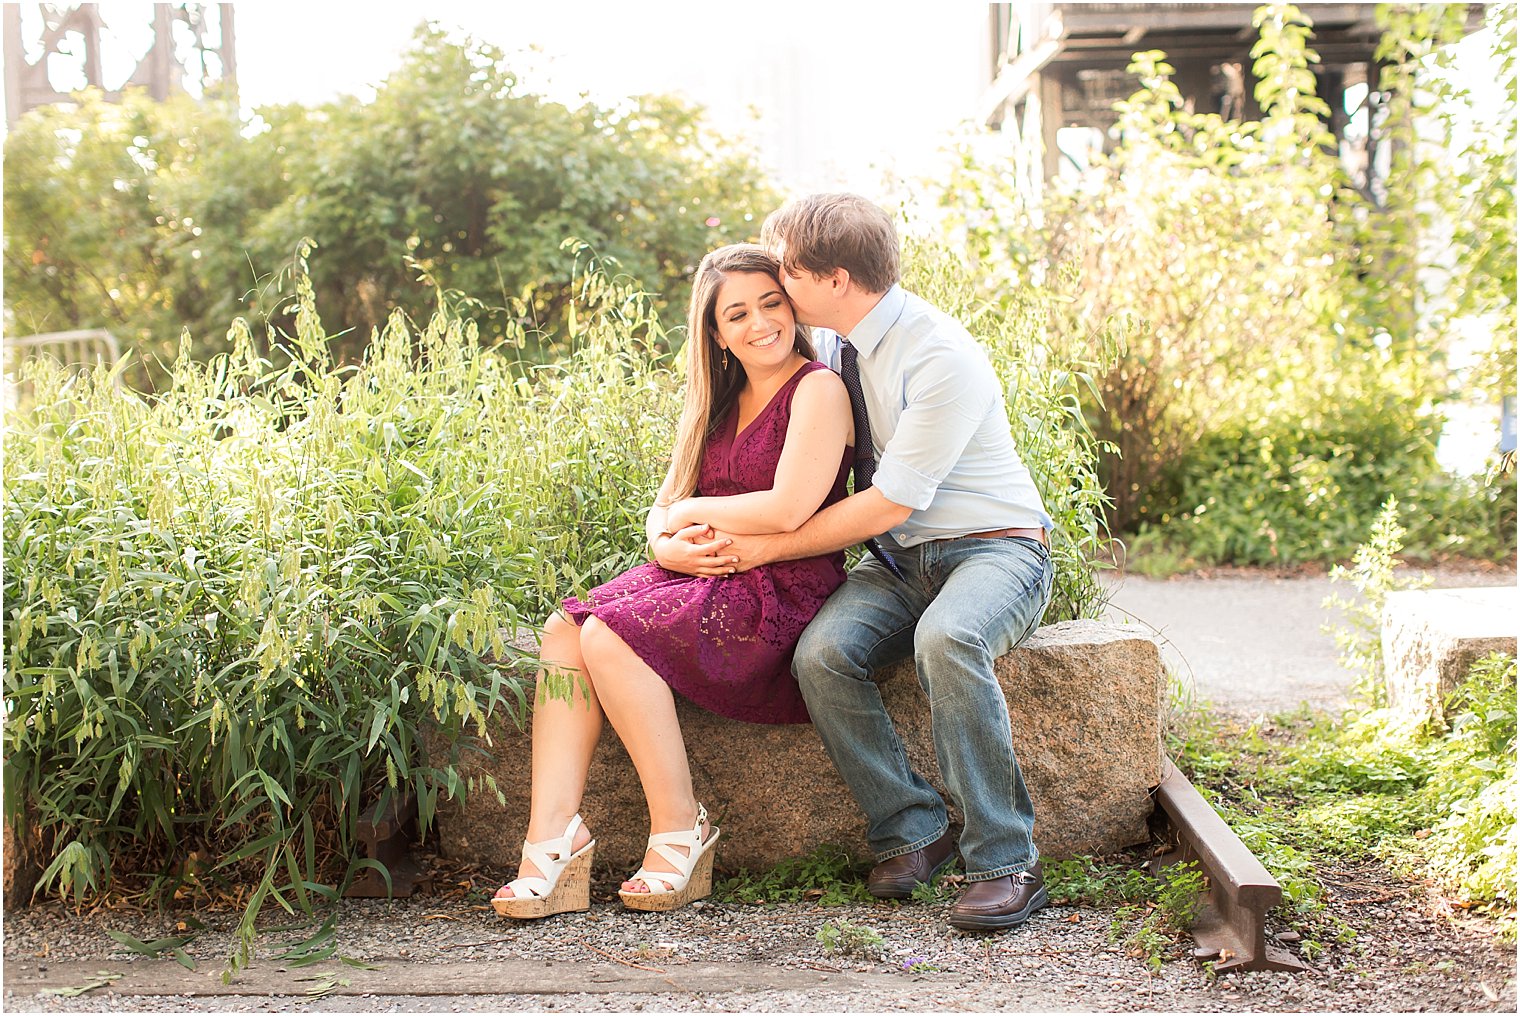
[1085,699]
[1432,637]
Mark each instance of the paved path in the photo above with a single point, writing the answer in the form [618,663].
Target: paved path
[1254,643]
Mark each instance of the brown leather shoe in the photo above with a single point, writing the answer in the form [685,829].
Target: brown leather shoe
[1000,902]
[894,878]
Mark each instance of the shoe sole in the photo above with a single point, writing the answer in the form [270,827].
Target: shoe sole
[901,891]
[997,922]
[699,887]
[571,892]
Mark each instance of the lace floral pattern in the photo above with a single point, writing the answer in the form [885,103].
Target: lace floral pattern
[726,642]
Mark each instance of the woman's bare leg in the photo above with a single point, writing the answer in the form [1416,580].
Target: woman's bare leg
[642,709]
[564,738]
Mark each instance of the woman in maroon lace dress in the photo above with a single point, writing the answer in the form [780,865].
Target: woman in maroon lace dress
[762,445]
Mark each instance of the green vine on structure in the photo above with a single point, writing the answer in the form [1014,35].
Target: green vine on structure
[1285,88]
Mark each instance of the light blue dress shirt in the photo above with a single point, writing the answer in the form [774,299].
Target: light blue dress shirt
[940,430]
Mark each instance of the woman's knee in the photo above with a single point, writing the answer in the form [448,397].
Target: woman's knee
[558,627]
[600,643]
[561,640]
[615,669]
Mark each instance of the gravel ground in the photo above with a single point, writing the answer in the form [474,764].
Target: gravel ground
[1411,952]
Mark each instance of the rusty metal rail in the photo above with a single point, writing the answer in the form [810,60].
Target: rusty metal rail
[1231,923]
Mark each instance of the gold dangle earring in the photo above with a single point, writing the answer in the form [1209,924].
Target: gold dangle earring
[725,358]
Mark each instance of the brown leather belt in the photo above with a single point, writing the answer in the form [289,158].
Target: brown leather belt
[993,534]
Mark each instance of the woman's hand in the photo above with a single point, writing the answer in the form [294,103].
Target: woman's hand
[693,550]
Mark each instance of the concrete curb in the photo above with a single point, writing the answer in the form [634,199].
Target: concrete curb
[410,978]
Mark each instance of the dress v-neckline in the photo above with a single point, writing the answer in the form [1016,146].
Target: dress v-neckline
[740,435]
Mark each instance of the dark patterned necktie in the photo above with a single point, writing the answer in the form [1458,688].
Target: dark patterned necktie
[865,452]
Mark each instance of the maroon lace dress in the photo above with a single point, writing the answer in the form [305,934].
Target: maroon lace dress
[726,642]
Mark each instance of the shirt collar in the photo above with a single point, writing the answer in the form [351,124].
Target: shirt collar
[867,335]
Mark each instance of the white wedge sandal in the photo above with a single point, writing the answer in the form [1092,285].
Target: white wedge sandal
[692,879]
[565,884]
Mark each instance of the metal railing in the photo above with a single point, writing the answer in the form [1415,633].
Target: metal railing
[83,348]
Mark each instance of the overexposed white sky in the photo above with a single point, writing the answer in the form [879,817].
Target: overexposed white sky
[830,93]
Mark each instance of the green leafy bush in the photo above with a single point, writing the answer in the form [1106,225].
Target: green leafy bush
[1474,843]
[1222,274]
[145,217]
[231,611]
[1282,488]
[1282,362]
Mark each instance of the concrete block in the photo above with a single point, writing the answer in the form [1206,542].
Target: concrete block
[1431,637]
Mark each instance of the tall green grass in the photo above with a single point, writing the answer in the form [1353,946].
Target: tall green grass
[1048,383]
[232,611]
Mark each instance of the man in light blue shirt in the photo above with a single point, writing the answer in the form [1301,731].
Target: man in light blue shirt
[930,387]
[961,573]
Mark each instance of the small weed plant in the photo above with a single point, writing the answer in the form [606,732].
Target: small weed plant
[828,876]
[1088,882]
[1373,575]
[845,938]
[1150,915]
[941,887]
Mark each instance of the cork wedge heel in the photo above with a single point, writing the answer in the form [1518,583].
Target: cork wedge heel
[692,879]
[565,885]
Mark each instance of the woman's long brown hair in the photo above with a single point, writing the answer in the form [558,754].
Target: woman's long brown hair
[712,388]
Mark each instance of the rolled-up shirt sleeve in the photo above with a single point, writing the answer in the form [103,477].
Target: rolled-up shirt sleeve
[946,401]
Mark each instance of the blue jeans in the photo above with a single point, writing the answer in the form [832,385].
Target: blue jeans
[965,603]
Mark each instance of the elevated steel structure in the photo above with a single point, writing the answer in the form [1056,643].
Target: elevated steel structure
[70,37]
[1063,65]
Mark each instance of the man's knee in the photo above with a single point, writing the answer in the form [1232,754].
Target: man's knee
[817,651]
[940,637]
[826,651]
